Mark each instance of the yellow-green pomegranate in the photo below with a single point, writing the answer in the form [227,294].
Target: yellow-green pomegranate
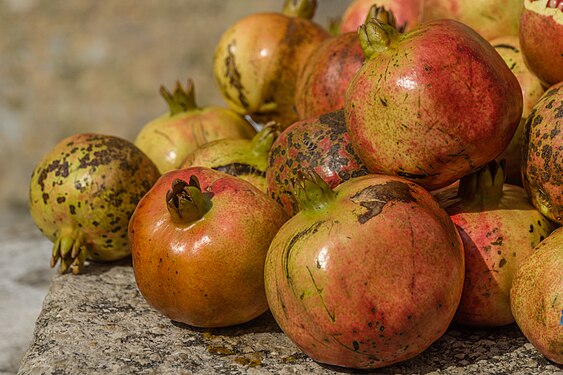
[82,194]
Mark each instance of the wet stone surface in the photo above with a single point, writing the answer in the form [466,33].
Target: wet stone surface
[98,323]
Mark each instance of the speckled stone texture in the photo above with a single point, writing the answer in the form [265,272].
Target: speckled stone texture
[98,323]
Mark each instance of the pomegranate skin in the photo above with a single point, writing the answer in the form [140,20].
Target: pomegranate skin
[535,297]
[437,104]
[321,144]
[321,85]
[407,13]
[371,279]
[542,167]
[541,38]
[206,273]
[490,18]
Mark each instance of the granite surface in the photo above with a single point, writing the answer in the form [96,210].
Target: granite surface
[98,323]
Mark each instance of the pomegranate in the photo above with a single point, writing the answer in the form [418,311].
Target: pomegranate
[491,19]
[199,240]
[499,228]
[407,13]
[536,300]
[542,169]
[321,85]
[247,159]
[320,144]
[366,275]
[82,194]
[257,60]
[431,105]
[168,139]
[541,38]
[508,48]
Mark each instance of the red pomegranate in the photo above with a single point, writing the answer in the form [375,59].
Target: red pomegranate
[366,275]
[407,13]
[431,105]
[321,85]
[541,38]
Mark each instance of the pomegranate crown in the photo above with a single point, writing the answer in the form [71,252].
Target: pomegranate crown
[300,8]
[311,191]
[180,100]
[186,202]
[483,186]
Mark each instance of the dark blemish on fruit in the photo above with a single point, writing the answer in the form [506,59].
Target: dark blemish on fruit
[375,197]
[240,169]
[502,263]
[506,46]
[383,101]
[334,119]
[234,76]
[356,345]
[72,209]
[542,238]
[45,197]
[497,242]
[61,200]
[312,229]
[531,228]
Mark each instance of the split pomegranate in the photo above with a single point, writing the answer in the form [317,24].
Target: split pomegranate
[199,240]
[366,275]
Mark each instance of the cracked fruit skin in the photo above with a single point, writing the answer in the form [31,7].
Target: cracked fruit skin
[542,166]
[367,275]
[82,194]
[535,297]
[430,105]
[541,38]
[499,228]
[257,61]
[199,251]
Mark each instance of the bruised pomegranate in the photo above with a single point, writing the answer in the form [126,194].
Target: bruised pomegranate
[542,167]
[168,139]
[407,13]
[257,60]
[431,105]
[82,194]
[499,228]
[541,38]
[536,300]
[490,18]
[366,275]
[321,85]
[320,144]
[199,240]
[247,159]
[508,48]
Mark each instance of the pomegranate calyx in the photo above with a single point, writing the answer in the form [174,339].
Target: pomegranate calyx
[381,14]
[186,202]
[263,140]
[300,8]
[69,248]
[180,100]
[376,36]
[483,187]
[311,191]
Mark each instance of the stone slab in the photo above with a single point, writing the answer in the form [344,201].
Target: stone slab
[98,323]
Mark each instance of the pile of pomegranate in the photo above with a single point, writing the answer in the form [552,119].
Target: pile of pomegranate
[368,183]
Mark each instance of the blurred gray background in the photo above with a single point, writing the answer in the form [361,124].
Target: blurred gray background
[71,66]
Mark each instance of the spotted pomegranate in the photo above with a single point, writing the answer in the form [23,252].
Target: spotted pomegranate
[199,240]
[82,194]
[321,85]
[320,144]
[247,159]
[508,48]
[430,105]
[407,13]
[491,19]
[541,38]
[367,274]
[536,300]
[168,139]
[499,228]
[257,60]
[542,167]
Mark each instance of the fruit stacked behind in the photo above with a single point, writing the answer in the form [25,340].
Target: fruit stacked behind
[354,187]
